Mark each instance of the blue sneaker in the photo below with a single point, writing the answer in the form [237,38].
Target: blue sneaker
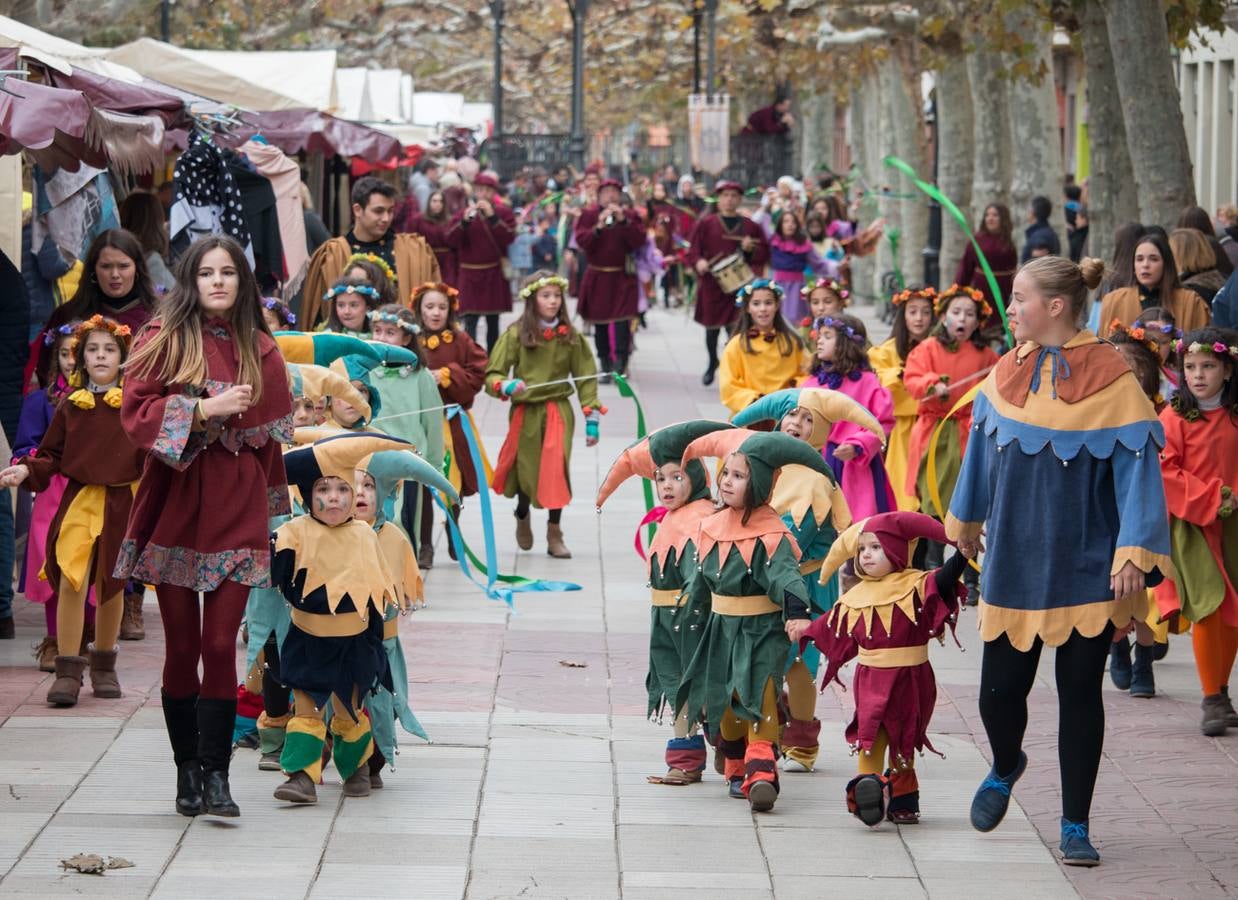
[992,799]
[1076,849]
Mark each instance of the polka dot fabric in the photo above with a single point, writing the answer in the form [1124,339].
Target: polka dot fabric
[202,179]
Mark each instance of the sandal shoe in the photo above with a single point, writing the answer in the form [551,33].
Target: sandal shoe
[299,788]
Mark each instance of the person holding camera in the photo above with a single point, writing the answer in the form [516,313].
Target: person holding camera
[609,234]
[480,235]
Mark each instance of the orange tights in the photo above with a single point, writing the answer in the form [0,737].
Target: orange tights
[1216,645]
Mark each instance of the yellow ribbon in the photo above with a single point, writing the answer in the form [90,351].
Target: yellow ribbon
[930,464]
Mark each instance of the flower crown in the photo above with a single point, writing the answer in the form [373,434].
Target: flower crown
[971,293]
[1217,348]
[531,289]
[280,309]
[1172,330]
[452,295]
[838,325]
[1136,332]
[372,258]
[758,284]
[52,336]
[927,293]
[364,290]
[393,319]
[97,322]
[812,283]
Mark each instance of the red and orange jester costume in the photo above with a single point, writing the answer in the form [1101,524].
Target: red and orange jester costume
[887,621]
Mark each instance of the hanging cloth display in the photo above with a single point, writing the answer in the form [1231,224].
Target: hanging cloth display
[285,177]
[207,200]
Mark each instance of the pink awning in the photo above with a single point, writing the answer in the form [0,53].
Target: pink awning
[308,130]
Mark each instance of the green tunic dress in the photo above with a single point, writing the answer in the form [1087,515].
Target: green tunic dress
[561,356]
[739,654]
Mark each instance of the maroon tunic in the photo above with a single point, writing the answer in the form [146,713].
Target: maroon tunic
[711,241]
[466,362]
[607,292]
[88,447]
[435,234]
[1002,260]
[202,507]
[899,699]
[481,246]
[766,120]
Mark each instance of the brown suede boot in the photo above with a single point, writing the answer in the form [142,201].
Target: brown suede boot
[68,683]
[524,533]
[554,542]
[46,652]
[132,628]
[103,678]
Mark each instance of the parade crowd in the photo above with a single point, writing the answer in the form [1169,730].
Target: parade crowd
[274,458]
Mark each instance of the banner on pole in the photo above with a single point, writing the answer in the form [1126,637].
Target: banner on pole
[709,132]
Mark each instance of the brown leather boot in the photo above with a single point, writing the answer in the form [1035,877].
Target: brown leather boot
[132,628]
[554,542]
[45,652]
[103,680]
[524,532]
[68,681]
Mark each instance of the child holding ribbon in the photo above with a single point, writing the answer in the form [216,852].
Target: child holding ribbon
[537,364]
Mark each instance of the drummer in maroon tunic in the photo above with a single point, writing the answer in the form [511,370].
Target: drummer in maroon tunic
[609,294]
[480,235]
[716,236]
[206,394]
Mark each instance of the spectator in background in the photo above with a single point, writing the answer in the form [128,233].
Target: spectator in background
[142,215]
[1227,217]
[1195,217]
[996,239]
[39,270]
[1039,238]
[423,181]
[520,253]
[1196,263]
[1076,221]
[773,119]
[14,335]
[316,233]
[546,247]
[1225,304]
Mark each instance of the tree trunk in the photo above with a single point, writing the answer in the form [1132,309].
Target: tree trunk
[1152,109]
[955,157]
[1110,198]
[861,108]
[903,137]
[990,130]
[816,121]
[1036,158]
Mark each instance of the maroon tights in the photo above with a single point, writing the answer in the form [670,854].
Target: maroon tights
[203,630]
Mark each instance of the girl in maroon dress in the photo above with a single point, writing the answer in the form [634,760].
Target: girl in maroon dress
[206,394]
[995,239]
[432,225]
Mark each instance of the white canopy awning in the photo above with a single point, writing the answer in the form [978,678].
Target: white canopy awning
[59,54]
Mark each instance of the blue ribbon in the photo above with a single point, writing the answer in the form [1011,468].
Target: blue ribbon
[1058,364]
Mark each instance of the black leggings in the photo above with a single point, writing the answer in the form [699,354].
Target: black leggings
[711,345]
[613,358]
[274,693]
[492,327]
[1006,677]
[522,510]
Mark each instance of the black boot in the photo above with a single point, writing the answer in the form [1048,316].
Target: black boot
[181,718]
[1143,684]
[216,719]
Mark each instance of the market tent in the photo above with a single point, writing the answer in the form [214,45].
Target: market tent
[59,54]
[271,80]
[298,130]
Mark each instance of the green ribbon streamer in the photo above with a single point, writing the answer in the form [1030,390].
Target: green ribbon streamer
[625,390]
[894,235]
[947,204]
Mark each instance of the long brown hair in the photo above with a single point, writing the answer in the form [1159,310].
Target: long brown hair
[1005,226]
[89,298]
[529,325]
[174,354]
[141,214]
[788,340]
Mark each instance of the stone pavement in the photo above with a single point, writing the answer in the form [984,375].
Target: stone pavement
[535,785]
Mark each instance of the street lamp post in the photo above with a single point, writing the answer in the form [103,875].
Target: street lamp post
[497,10]
[165,15]
[579,8]
[711,57]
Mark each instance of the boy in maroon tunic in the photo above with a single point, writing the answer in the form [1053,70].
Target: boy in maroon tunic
[716,236]
[480,235]
[887,619]
[609,294]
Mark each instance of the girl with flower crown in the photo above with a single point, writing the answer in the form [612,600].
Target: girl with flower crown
[765,354]
[458,365]
[349,304]
[938,372]
[537,363]
[1160,326]
[38,409]
[277,315]
[824,298]
[854,452]
[84,539]
[410,410]
[913,320]
[1199,464]
[791,256]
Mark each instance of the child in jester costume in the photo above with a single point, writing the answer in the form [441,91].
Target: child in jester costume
[887,620]
[675,626]
[379,477]
[332,571]
[814,510]
[749,568]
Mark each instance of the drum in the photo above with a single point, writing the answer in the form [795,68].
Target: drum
[731,272]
